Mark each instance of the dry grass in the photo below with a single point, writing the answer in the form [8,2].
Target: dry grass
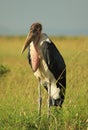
[18,88]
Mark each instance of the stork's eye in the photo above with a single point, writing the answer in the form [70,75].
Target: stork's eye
[35,30]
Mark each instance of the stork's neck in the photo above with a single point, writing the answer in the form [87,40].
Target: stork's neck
[36,40]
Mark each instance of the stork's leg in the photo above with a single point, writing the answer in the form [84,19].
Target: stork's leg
[40,98]
[49,99]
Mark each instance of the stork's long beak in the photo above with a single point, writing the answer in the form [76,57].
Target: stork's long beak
[27,42]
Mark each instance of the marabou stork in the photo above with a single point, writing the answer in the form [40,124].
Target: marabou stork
[47,64]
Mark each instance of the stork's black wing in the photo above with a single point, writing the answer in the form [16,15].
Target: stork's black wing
[29,58]
[56,65]
[53,58]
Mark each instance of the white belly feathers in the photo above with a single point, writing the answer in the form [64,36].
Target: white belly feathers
[46,76]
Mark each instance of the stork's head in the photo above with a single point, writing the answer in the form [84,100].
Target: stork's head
[33,35]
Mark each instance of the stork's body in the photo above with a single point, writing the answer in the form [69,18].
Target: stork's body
[47,64]
[49,67]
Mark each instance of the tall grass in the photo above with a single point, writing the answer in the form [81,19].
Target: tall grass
[18,88]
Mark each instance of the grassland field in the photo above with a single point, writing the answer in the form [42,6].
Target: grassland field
[19,93]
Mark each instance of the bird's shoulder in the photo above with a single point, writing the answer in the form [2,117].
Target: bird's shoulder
[44,40]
